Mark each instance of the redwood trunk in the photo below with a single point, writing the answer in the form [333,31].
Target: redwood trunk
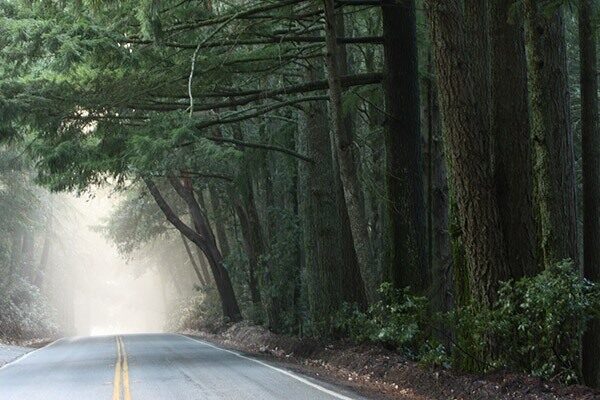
[511,139]
[469,163]
[590,135]
[405,193]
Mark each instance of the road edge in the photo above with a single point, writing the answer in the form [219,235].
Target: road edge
[294,375]
[29,353]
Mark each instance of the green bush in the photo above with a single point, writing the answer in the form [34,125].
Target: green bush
[396,321]
[535,327]
[201,311]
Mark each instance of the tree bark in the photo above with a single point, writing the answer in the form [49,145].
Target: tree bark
[440,258]
[201,278]
[405,191]
[253,244]
[590,137]
[330,281]
[344,148]
[215,203]
[552,133]
[511,139]
[203,239]
[468,155]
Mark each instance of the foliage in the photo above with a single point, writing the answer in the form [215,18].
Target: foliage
[25,313]
[201,311]
[535,326]
[397,320]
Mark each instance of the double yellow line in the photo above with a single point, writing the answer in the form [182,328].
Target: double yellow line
[121,383]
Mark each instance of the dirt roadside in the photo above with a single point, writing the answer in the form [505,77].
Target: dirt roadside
[375,371]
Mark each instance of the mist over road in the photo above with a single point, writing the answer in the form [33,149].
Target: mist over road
[152,366]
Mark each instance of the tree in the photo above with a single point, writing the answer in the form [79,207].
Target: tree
[469,163]
[551,131]
[511,140]
[343,143]
[590,138]
[404,177]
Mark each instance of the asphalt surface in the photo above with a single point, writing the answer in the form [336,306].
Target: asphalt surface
[153,367]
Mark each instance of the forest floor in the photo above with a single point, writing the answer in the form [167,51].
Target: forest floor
[373,370]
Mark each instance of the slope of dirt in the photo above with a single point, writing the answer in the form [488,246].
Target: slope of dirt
[372,369]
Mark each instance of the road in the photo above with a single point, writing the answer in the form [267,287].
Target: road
[153,367]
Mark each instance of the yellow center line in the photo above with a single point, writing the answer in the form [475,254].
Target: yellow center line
[117,381]
[126,390]
[121,373]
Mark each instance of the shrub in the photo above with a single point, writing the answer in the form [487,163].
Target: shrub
[396,321]
[201,311]
[24,313]
[536,325]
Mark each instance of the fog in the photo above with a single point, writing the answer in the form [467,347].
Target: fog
[96,290]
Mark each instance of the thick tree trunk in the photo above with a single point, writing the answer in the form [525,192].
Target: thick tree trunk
[590,137]
[511,139]
[552,133]
[405,192]
[440,257]
[203,238]
[344,147]
[468,155]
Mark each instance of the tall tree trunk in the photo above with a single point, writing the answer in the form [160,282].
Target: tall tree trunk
[202,237]
[215,203]
[404,175]
[590,137]
[552,133]
[468,155]
[438,204]
[253,244]
[201,278]
[511,139]
[330,281]
[344,147]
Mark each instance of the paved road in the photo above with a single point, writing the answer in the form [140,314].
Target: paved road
[152,367]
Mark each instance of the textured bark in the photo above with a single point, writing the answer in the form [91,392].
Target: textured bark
[404,161]
[468,155]
[590,135]
[478,45]
[511,140]
[552,133]
[344,147]
[440,257]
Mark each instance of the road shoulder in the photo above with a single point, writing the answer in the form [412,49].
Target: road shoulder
[9,353]
[376,372]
